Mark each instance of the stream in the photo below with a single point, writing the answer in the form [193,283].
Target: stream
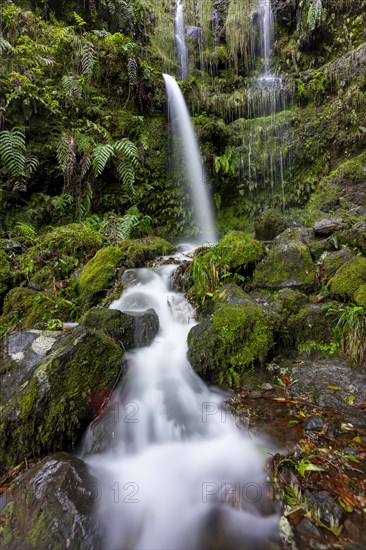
[176,472]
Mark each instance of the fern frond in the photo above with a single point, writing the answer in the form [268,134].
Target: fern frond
[66,157]
[79,20]
[101,131]
[132,72]
[87,60]
[72,88]
[5,46]
[127,175]
[101,155]
[128,149]
[85,163]
[12,151]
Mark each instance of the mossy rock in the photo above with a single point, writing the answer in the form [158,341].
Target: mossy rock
[319,247]
[303,234]
[100,273]
[354,238]
[290,301]
[360,296]
[59,396]
[287,265]
[334,260]
[52,503]
[236,253]
[129,330]
[154,247]
[233,340]
[269,224]
[25,308]
[311,323]
[57,254]
[348,278]
[5,275]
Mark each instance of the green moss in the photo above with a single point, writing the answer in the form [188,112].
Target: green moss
[360,296]
[348,278]
[290,301]
[288,264]
[99,273]
[269,224]
[154,247]
[237,338]
[5,274]
[52,407]
[236,254]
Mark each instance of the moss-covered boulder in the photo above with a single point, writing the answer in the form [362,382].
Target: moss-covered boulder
[348,279]
[49,505]
[238,336]
[25,308]
[235,254]
[106,267]
[360,296]
[58,396]
[290,301]
[5,275]
[312,323]
[269,224]
[58,253]
[287,265]
[354,238]
[332,261]
[129,330]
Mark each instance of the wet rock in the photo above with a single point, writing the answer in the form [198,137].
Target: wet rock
[57,396]
[287,265]
[303,234]
[334,385]
[284,11]
[332,261]
[314,423]
[319,247]
[51,506]
[181,278]
[308,531]
[269,224]
[354,238]
[129,330]
[238,335]
[9,245]
[330,510]
[327,226]
[348,278]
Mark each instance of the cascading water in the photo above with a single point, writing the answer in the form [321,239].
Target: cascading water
[175,472]
[183,130]
[268,132]
[181,40]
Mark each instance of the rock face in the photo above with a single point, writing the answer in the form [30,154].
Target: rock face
[129,330]
[238,335]
[328,226]
[57,396]
[51,507]
[288,265]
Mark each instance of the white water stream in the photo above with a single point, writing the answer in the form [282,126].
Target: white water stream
[177,473]
[180,40]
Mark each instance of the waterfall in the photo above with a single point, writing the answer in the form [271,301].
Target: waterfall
[184,131]
[175,472]
[268,133]
[181,40]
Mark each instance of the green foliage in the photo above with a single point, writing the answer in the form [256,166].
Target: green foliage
[350,333]
[18,166]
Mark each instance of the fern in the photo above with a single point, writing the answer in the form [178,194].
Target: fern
[128,149]
[26,230]
[87,60]
[101,155]
[72,88]
[132,72]
[5,46]
[12,151]
[127,175]
[79,20]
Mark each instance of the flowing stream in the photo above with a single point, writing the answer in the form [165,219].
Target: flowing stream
[180,40]
[176,473]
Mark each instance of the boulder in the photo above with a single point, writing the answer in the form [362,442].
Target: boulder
[58,396]
[347,280]
[51,506]
[129,330]
[332,261]
[354,238]
[235,253]
[287,265]
[238,336]
[327,226]
[269,224]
